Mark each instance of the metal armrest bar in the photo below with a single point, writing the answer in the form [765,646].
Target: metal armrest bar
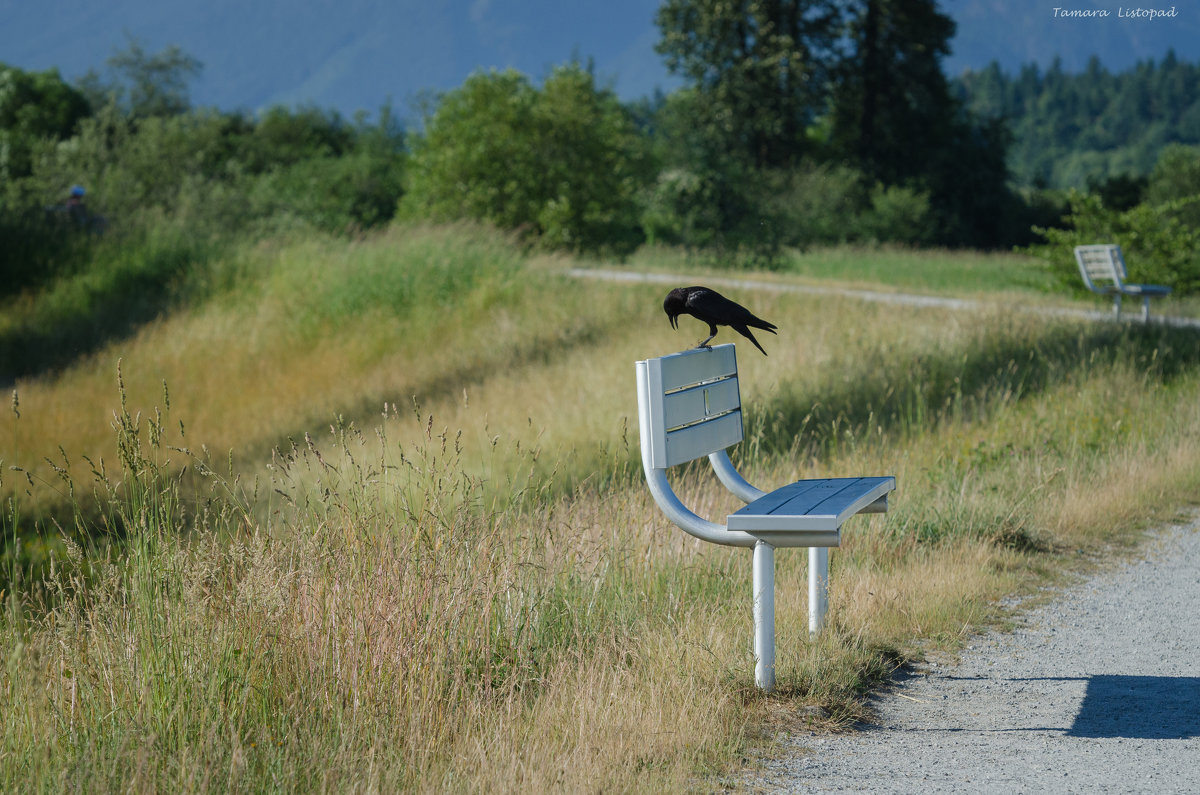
[732,479]
[687,521]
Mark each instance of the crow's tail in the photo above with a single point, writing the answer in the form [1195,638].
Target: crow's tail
[745,332]
[758,322]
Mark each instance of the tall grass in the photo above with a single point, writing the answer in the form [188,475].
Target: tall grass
[367,625]
[476,592]
[117,285]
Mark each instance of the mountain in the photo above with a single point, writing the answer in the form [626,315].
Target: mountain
[1019,32]
[342,54]
[352,55]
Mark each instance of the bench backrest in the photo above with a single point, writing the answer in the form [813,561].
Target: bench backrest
[1100,264]
[689,405]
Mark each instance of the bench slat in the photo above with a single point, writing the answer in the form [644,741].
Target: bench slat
[772,501]
[699,403]
[695,441]
[811,504]
[695,366]
[1101,263]
[825,497]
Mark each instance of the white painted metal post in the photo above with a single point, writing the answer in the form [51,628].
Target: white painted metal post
[764,616]
[818,588]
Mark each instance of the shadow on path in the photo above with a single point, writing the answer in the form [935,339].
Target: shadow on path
[1124,706]
[1150,707]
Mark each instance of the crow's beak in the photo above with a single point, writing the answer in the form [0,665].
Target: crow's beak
[674,321]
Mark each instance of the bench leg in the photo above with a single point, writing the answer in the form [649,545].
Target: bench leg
[764,615]
[1117,305]
[818,588]
[1145,309]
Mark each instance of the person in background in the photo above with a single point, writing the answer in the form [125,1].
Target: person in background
[75,205]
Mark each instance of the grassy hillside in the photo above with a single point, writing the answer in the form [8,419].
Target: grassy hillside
[299,577]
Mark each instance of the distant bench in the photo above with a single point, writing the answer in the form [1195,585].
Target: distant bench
[1103,271]
[689,405]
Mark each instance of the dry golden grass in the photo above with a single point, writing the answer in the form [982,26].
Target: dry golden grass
[480,594]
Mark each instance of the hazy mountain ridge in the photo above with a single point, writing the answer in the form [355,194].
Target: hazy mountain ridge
[1027,31]
[358,54]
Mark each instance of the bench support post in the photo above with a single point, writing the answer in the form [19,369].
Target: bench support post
[818,588]
[764,616]
[689,406]
[764,606]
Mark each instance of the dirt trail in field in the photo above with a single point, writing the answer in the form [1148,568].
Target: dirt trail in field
[1097,691]
[1133,310]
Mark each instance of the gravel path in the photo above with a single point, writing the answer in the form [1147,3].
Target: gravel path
[1098,691]
[872,296]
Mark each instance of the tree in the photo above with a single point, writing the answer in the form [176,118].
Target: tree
[1174,185]
[564,162]
[145,85]
[761,69]
[315,167]
[1176,175]
[1079,130]
[34,106]
[896,118]
[892,106]
[283,136]
[704,196]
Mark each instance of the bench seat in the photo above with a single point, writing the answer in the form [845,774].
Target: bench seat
[810,513]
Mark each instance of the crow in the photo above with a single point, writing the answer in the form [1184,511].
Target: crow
[714,309]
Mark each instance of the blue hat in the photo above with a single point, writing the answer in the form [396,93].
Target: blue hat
[77,190]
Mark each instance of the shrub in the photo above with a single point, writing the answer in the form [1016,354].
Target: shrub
[818,203]
[562,163]
[1159,248]
[898,215]
[1175,183]
[680,209]
[333,194]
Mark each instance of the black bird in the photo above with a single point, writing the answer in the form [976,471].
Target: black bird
[714,309]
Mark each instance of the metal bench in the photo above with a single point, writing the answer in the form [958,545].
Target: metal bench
[689,406]
[1103,271]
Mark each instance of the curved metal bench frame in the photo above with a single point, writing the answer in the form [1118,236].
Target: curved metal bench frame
[1103,270]
[689,406]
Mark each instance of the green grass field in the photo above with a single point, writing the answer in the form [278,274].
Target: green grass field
[370,516]
[913,270]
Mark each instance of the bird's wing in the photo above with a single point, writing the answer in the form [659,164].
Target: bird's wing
[713,306]
[716,307]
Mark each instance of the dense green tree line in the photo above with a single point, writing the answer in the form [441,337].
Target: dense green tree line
[753,154]
[153,167]
[810,121]
[1083,130]
[800,122]
[1122,149]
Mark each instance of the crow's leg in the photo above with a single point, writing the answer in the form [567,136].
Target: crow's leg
[712,332]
